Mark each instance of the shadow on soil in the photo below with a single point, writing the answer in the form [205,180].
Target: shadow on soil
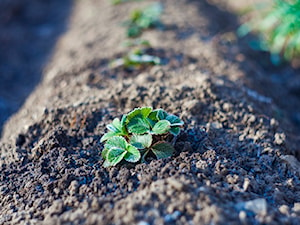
[28,32]
[280,83]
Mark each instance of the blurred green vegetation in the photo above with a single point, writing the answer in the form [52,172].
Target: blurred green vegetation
[137,56]
[279,30]
[142,19]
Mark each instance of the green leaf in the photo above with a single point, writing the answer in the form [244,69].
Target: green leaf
[116,128]
[115,155]
[136,14]
[161,114]
[144,112]
[123,125]
[151,122]
[123,120]
[106,164]
[162,150]
[133,113]
[137,145]
[174,120]
[141,141]
[133,155]
[143,19]
[175,130]
[117,124]
[150,16]
[112,128]
[158,114]
[118,142]
[161,127]
[134,31]
[104,153]
[144,22]
[152,115]
[108,135]
[144,59]
[138,125]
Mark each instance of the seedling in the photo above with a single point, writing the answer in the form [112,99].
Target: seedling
[279,30]
[136,57]
[140,133]
[143,19]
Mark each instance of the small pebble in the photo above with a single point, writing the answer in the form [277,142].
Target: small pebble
[279,138]
[243,216]
[143,223]
[284,209]
[296,207]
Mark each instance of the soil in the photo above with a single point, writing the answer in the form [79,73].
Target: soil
[237,156]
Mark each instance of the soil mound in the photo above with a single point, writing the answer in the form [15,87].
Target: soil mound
[235,161]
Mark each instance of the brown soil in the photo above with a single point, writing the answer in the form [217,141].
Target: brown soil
[236,159]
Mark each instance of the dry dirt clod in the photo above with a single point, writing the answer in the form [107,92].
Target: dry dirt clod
[257,206]
[279,138]
[292,162]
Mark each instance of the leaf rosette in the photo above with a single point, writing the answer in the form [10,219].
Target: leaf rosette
[141,132]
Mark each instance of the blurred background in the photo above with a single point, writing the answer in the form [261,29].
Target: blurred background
[28,33]
[266,32]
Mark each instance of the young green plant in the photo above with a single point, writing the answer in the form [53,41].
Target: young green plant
[140,133]
[279,30]
[142,19]
[136,57]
